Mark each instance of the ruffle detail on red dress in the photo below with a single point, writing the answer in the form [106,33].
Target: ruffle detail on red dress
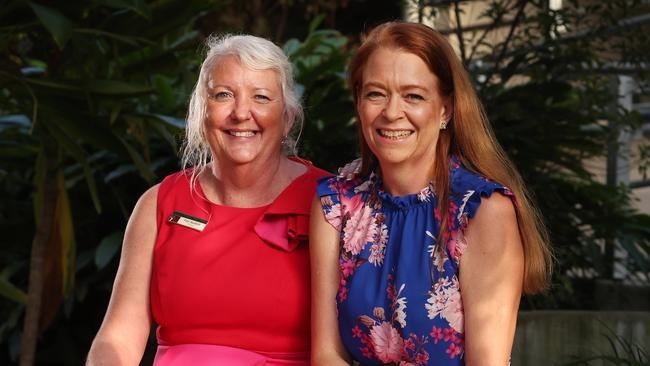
[285,224]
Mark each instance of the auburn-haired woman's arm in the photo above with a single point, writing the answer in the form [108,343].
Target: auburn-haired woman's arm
[491,278]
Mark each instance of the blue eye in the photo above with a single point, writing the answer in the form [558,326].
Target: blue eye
[221,95]
[262,98]
[413,96]
[374,95]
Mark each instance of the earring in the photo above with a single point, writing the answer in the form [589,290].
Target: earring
[443,125]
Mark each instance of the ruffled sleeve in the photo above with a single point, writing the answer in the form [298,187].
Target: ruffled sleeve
[285,223]
[468,188]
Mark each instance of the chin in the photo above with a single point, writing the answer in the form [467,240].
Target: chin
[242,158]
[392,157]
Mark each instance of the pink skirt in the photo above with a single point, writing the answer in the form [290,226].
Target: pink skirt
[207,354]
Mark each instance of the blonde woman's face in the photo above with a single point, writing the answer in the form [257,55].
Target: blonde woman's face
[245,113]
[400,109]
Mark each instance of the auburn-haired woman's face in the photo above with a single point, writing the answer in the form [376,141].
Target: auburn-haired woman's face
[400,108]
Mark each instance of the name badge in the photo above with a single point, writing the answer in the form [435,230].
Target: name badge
[186,220]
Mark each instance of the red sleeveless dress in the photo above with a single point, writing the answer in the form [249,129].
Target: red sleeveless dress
[243,281]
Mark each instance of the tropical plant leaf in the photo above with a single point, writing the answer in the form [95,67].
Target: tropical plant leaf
[120,171]
[175,122]
[55,22]
[11,292]
[108,248]
[132,41]
[164,91]
[141,165]
[59,266]
[12,120]
[80,155]
[115,87]
[137,6]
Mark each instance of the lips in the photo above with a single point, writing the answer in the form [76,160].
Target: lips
[394,134]
[241,133]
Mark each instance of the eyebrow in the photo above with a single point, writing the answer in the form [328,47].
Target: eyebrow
[402,87]
[215,86]
[414,86]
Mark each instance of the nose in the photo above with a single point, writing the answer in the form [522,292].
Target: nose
[393,109]
[241,110]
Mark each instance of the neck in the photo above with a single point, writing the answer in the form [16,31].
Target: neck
[247,185]
[404,179]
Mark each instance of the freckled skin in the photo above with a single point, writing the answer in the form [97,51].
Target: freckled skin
[244,100]
[400,95]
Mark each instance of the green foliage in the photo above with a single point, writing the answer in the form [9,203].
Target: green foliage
[621,353]
[107,249]
[329,134]
[107,83]
[550,94]
[104,84]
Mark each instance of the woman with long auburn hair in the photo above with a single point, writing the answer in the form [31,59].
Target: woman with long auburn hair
[415,260]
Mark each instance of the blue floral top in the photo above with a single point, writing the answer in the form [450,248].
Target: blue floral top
[399,298]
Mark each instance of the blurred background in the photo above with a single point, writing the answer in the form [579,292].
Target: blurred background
[93,96]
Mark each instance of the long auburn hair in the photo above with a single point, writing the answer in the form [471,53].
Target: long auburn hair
[468,135]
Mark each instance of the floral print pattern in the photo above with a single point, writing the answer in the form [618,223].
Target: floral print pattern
[399,299]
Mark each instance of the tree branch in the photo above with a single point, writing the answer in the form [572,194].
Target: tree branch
[496,21]
[459,33]
[522,5]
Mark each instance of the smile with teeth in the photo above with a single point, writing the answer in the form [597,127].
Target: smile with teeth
[394,134]
[242,133]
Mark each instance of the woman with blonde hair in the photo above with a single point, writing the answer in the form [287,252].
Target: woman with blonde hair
[217,254]
[421,257]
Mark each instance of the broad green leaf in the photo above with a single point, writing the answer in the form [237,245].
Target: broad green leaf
[175,122]
[80,155]
[11,149]
[164,91]
[163,131]
[114,87]
[58,268]
[107,248]
[115,112]
[119,171]
[55,22]
[180,40]
[143,168]
[133,41]
[84,259]
[84,128]
[15,119]
[291,46]
[139,7]
[59,85]
[316,22]
[65,231]
[11,292]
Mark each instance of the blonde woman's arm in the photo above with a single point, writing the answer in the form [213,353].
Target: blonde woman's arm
[491,279]
[326,347]
[122,337]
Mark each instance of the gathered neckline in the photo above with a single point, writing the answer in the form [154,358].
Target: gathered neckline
[424,196]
